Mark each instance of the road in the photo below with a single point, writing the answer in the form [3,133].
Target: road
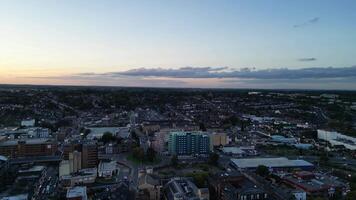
[49,183]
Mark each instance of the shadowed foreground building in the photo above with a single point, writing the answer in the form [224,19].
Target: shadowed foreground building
[235,186]
[184,189]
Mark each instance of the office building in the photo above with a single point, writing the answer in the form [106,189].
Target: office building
[88,150]
[219,139]
[75,161]
[14,148]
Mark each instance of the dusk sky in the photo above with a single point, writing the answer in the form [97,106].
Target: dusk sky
[307,44]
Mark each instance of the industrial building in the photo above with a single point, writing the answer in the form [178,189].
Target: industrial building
[335,138]
[272,163]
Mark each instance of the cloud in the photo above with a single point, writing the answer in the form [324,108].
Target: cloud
[184,72]
[244,73]
[307,59]
[215,77]
[307,23]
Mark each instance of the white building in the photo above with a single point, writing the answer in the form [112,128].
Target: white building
[299,195]
[108,169]
[283,140]
[28,122]
[84,176]
[38,132]
[335,138]
[78,192]
[64,168]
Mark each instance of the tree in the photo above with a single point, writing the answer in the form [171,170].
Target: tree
[138,153]
[323,159]
[86,132]
[213,158]
[262,170]
[200,179]
[151,154]
[174,161]
[202,126]
[351,195]
[108,137]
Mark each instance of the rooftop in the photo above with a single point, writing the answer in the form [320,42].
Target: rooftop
[77,191]
[98,132]
[27,141]
[270,162]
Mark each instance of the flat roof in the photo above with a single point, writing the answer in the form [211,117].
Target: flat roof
[108,166]
[269,162]
[99,131]
[16,197]
[3,158]
[77,192]
[233,150]
[37,168]
[28,141]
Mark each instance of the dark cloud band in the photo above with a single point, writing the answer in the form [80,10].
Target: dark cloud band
[224,72]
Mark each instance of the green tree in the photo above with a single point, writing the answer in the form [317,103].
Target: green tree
[323,159]
[174,161]
[351,195]
[202,126]
[151,154]
[200,179]
[262,170]
[213,158]
[86,132]
[138,153]
[108,137]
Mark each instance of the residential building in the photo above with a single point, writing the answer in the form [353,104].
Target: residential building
[188,143]
[149,186]
[184,189]
[315,184]
[235,186]
[219,139]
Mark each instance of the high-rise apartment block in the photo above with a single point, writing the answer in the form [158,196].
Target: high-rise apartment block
[189,143]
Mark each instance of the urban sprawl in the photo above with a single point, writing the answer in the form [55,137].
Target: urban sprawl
[176,144]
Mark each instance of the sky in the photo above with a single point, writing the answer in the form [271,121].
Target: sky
[272,44]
